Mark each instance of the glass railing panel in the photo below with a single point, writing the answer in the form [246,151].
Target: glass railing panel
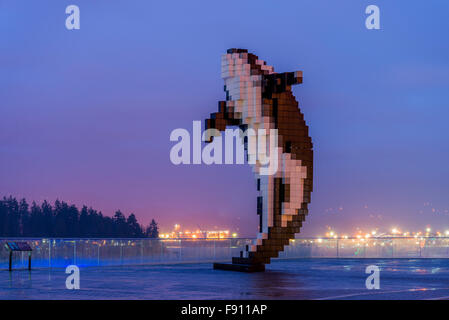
[106,252]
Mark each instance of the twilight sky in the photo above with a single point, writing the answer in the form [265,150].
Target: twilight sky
[85,115]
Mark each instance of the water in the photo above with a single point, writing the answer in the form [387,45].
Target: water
[284,279]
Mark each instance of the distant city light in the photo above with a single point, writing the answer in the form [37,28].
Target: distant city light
[197,234]
[362,234]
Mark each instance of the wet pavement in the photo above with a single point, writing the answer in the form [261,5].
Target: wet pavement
[284,279]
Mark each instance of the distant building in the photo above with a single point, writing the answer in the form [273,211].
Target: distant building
[198,234]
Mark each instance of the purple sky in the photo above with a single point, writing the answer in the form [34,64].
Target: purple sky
[85,115]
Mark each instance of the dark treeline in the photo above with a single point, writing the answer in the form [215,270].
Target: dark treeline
[18,219]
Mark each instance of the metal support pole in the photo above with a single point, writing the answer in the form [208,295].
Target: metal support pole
[29,260]
[160,244]
[141,251]
[338,254]
[392,248]
[74,252]
[49,253]
[10,260]
[121,253]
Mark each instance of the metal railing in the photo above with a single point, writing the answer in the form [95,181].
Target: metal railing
[107,252]
[383,247]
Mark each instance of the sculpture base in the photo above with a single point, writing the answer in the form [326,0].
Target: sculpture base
[240,267]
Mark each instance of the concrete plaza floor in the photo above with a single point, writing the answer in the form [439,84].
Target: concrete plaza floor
[284,279]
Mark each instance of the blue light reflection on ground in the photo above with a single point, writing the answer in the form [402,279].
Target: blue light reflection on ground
[284,279]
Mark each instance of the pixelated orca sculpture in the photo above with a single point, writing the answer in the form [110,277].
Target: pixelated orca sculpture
[257,97]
